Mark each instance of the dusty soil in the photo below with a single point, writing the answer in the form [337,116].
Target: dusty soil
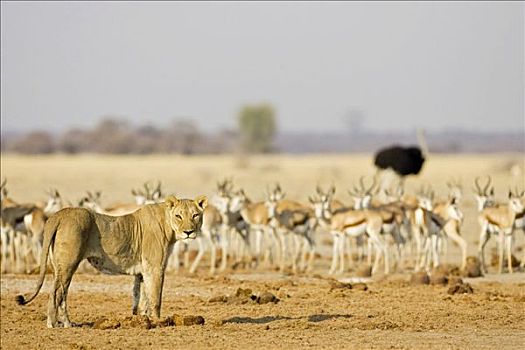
[311,311]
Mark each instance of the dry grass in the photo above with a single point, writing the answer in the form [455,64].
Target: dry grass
[29,176]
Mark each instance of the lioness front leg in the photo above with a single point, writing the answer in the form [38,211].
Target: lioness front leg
[137,284]
[153,283]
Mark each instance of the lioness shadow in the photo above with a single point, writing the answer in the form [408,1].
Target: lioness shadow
[268,319]
[259,320]
[324,317]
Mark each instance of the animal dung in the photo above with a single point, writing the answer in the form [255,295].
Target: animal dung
[181,320]
[139,321]
[463,288]
[360,286]
[364,271]
[473,268]
[267,297]
[419,278]
[494,261]
[334,284]
[104,323]
[218,299]
[243,293]
[244,296]
[438,279]
[454,280]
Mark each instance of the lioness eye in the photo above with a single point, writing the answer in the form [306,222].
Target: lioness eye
[178,217]
[195,216]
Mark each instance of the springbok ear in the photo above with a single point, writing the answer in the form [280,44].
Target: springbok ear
[202,202]
[133,192]
[171,201]
[311,200]
[510,194]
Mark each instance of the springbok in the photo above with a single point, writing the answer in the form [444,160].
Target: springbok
[92,201]
[22,227]
[149,195]
[503,218]
[287,216]
[445,218]
[392,214]
[354,223]
[12,240]
[453,225]
[484,198]
[255,215]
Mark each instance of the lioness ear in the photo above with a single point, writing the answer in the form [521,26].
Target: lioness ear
[171,201]
[202,202]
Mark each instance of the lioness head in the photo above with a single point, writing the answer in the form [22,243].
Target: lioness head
[185,216]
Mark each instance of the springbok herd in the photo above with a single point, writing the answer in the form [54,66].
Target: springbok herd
[386,225]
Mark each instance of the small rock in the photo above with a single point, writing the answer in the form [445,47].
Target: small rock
[464,288]
[187,320]
[267,297]
[104,323]
[420,278]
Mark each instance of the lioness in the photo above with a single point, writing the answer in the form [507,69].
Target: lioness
[136,244]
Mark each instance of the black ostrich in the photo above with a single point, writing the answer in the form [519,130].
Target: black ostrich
[403,161]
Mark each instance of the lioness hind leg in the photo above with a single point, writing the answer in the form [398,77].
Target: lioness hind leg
[65,256]
[58,294]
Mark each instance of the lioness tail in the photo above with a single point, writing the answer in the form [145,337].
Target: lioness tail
[50,230]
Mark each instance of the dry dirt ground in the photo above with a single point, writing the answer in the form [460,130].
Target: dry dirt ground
[392,313]
[312,311]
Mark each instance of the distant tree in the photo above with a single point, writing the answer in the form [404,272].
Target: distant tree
[112,136]
[188,136]
[257,128]
[33,143]
[74,141]
[147,140]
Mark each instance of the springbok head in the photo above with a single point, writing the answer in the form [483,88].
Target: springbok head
[516,200]
[362,196]
[484,196]
[425,197]
[54,202]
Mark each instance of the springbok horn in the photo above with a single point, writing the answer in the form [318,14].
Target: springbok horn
[488,184]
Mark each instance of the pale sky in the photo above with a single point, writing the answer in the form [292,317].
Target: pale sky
[405,65]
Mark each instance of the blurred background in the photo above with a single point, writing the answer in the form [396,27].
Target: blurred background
[265,77]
